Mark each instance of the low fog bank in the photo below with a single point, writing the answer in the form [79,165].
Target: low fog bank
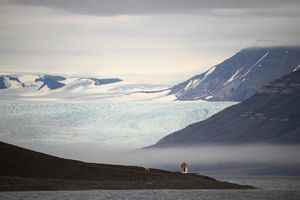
[255,159]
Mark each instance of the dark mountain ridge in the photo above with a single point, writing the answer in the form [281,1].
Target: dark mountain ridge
[271,116]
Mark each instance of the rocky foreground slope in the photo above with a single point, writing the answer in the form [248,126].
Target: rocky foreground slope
[22,169]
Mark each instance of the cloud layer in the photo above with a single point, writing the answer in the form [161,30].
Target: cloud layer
[149,37]
[128,7]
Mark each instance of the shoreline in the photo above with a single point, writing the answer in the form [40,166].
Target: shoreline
[35,184]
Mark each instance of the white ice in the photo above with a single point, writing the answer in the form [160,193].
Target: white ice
[109,123]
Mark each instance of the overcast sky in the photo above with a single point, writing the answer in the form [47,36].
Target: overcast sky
[165,38]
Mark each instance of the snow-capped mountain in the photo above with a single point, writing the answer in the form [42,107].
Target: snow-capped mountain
[32,86]
[8,81]
[240,76]
[51,82]
[46,85]
[270,116]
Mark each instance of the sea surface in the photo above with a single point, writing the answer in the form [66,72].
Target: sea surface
[275,188]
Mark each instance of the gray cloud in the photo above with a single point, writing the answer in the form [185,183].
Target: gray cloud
[138,36]
[138,7]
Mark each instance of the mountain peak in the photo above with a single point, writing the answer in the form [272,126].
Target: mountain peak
[240,76]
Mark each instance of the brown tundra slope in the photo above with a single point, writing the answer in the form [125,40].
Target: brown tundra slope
[22,169]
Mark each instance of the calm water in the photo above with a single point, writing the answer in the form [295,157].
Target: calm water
[279,188]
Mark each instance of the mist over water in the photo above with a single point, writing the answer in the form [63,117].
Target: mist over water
[115,132]
[219,159]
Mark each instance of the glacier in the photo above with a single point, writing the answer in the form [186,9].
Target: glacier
[75,114]
[106,122]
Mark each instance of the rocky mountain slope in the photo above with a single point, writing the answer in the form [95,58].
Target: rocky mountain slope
[240,76]
[271,116]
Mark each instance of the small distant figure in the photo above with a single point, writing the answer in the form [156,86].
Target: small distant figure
[184,167]
[147,171]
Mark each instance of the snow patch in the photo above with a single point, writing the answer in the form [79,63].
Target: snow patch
[79,85]
[255,64]
[233,77]
[27,78]
[296,68]
[68,80]
[211,70]
[209,97]
[195,82]
[192,84]
[14,84]
[162,96]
